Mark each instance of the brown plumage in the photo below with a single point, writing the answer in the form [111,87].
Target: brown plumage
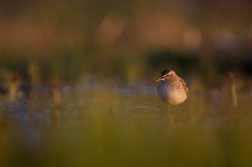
[171,89]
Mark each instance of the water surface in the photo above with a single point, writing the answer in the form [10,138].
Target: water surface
[124,125]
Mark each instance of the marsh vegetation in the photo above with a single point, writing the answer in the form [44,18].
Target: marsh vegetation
[76,83]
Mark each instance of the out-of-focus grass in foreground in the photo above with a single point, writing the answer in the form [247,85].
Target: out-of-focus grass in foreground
[98,60]
[105,124]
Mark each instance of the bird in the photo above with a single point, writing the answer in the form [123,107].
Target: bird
[171,88]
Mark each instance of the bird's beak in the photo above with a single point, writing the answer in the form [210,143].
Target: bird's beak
[159,79]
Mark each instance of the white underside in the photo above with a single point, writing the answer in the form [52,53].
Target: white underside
[170,96]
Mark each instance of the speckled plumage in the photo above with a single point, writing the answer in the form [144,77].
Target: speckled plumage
[171,89]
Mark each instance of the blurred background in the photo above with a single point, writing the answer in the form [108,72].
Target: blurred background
[61,41]
[76,82]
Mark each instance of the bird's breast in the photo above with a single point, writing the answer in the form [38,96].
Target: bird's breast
[171,93]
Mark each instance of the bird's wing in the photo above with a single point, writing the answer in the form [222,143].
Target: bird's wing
[184,85]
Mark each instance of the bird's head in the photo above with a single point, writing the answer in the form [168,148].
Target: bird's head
[165,75]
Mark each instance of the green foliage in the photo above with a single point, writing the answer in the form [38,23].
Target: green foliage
[108,128]
[55,43]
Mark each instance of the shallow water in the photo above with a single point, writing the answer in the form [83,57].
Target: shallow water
[115,125]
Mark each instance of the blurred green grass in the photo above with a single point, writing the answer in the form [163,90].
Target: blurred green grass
[102,126]
[122,45]
[200,134]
